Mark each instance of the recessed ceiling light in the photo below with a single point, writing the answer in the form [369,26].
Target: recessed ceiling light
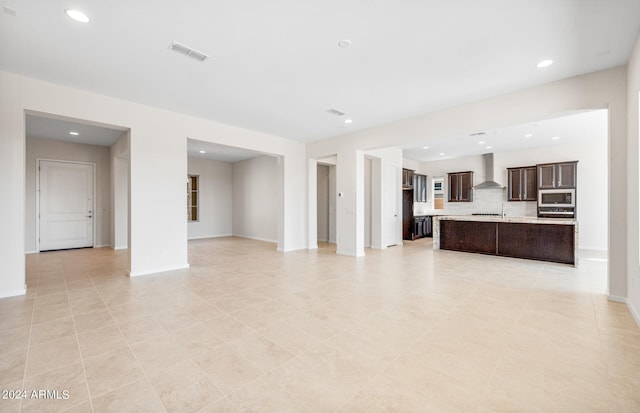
[425,147]
[348,121]
[344,43]
[544,63]
[74,133]
[441,153]
[77,15]
[203,152]
[481,143]
[489,147]
[528,135]
[555,138]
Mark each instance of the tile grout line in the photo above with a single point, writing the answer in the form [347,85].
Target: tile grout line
[386,366]
[73,319]
[28,349]
[144,372]
[504,347]
[595,315]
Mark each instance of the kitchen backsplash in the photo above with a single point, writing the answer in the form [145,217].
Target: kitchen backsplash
[485,201]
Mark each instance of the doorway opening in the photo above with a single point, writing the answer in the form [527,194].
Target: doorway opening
[232,191]
[326,200]
[77,184]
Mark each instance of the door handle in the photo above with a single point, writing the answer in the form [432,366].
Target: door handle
[88,216]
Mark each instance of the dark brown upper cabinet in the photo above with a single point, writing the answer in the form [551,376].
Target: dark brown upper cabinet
[407,178]
[419,188]
[557,175]
[461,186]
[522,185]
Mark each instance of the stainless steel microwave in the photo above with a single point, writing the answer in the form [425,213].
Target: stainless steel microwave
[557,198]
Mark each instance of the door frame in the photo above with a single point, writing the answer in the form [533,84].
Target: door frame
[37,217]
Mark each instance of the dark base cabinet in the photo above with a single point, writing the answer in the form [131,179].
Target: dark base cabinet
[553,243]
[543,242]
[422,227]
[468,236]
[407,214]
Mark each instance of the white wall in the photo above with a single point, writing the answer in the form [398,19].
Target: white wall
[215,198]
[120,192]
[632,221]
[604,89]
[411,164]
[158,159]
[66,151]
[255,204]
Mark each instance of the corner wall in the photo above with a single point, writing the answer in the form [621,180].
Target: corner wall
[633,207]
[255,204]
[215,198]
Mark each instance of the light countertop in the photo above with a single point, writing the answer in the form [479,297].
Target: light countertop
[523,220]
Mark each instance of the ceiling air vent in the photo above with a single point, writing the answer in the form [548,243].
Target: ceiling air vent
[187,51]
[336,112]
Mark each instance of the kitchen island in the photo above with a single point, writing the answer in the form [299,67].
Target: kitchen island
[544,239]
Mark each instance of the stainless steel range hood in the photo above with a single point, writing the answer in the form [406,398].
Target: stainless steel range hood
[488,183]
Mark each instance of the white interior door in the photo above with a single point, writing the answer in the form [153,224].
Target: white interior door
[66,205]
[392,215]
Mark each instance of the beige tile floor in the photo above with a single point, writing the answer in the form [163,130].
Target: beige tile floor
[249,329]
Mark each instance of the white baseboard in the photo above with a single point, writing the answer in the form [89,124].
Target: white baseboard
[120,248]
[313,247]
[632,309]
[14,293]
[298,248]
[102,246]
[32,252]
[210,236]
[256,238]
[349,253]
[617,299]
[157,270]
[634,312]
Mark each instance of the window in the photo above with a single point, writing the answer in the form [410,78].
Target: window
[192,198]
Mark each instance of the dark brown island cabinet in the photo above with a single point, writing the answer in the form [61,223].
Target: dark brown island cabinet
[544,242]
[460,186]
[522,184]
[561,175]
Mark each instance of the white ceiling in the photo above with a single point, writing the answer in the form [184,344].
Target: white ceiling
[275,66]
[570,129]
[216,152]
[45,127]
